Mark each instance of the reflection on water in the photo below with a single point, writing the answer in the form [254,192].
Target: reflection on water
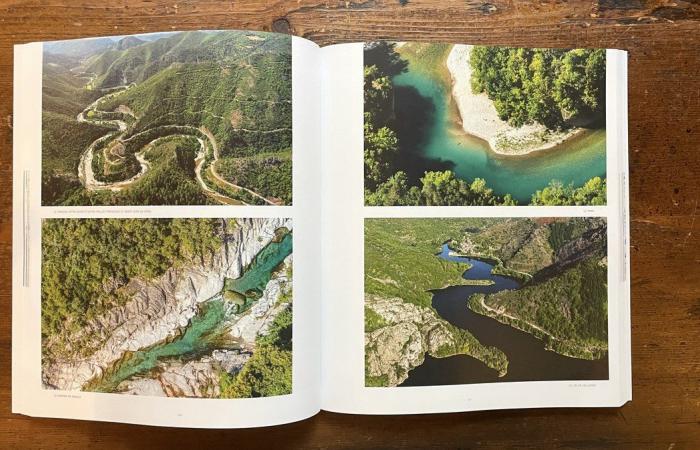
[431,140]
[528,360]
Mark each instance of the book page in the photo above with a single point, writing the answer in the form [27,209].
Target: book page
[166,214]
[475,236]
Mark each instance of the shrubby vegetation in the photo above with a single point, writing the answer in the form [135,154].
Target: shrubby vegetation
[565,293]
[63,139]
[401,261]
[547,86]
[373,321]
[270,175]
[171,180]
[236,84]
[571,307]
[560,262]
[86,263]
[268,372]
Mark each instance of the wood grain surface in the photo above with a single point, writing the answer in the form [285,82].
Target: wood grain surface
[663,40]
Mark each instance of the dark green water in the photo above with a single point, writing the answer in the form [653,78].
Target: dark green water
[528,358]
[207,330]
[430,140]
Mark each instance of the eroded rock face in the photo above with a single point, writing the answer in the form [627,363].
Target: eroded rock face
[193,379]
[198,379]
[159,308]
[258,319]
[412,332]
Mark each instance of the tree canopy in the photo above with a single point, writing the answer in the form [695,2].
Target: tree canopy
[86,262]
[593,192]
[269,370]
[547,86]
[384,183]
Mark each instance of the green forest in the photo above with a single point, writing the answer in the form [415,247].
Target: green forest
[560,264]
[87,264]
[553,87]
[548,86]
[269,370]
[399,257]
[384,185]
[230,88]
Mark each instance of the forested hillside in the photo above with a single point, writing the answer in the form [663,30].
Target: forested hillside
[232,90]
[563,265]
[560,265]
[87,264]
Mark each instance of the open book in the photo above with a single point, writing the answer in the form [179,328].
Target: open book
[237,228]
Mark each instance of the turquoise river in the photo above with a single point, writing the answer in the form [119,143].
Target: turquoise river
[427,119]
[208,330]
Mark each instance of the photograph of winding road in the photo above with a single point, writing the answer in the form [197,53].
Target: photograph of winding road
[482,300]
[191,118]
[470,125]
[196,308]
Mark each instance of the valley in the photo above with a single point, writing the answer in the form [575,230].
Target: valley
[531,291]
[168,307]
[459,125]
[226,106]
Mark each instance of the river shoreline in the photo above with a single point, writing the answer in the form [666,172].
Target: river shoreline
[478,117]
[182,296]
[530,357]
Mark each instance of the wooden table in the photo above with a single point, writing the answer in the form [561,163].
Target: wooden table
[663,39]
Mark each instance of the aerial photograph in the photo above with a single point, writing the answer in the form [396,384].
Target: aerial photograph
[190,118]
[463,125]
[197,308]
[482,300]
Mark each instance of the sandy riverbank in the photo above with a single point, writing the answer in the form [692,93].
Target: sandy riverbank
[479,117]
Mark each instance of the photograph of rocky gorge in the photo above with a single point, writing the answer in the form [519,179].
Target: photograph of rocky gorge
[481,300]
[167,307]
[179,118]
[462,125]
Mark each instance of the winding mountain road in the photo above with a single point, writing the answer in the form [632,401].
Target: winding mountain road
[119,130]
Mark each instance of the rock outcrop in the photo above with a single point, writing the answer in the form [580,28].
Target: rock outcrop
[199,379]
[160,308]
[258,319]
[411,332]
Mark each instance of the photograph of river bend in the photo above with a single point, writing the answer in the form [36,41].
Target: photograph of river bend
[180,118]
[196,308]
[471,125]
[481,300]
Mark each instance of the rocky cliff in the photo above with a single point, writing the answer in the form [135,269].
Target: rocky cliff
[158,309]
[410,332]
[200,378]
